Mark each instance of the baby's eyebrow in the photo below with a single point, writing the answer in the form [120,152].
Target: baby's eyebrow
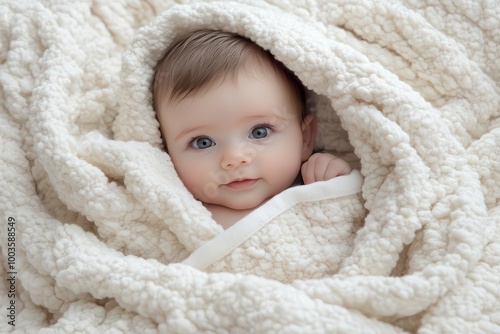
[273,115]
[253,117]
[189,130]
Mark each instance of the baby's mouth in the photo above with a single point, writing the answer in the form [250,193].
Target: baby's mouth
[242,184]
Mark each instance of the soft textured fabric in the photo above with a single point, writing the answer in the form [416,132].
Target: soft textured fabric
[410,88]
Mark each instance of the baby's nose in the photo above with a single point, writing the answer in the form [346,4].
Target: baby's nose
[237,155]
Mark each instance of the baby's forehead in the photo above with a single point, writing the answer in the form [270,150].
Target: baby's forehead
[265,74]
[249,91]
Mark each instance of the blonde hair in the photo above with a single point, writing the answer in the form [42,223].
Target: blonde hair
[208,56]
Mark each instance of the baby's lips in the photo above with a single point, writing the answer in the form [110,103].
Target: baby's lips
[242,184]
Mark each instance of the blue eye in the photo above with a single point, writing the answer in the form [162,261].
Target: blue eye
[261,131]
[202,143]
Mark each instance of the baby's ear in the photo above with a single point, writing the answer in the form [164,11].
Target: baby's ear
[309,130]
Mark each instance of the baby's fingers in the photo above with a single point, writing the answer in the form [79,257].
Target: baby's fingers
[336,168]
[314,169]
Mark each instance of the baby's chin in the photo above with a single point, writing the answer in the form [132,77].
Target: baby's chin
[242,205]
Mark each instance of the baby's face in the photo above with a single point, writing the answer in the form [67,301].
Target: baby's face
[235,144]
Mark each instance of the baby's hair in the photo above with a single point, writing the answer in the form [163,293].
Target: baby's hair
[205,57]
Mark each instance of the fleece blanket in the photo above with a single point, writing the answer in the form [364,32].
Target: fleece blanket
[100,235]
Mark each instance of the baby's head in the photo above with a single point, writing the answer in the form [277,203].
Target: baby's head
[233,119]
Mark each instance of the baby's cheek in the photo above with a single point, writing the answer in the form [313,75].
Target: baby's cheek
[283,165]
[189,172]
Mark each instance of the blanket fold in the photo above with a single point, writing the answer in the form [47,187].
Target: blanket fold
[100,235]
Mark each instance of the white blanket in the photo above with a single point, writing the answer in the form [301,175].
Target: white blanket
[101,223]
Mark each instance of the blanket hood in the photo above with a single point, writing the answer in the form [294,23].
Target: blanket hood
[284,35]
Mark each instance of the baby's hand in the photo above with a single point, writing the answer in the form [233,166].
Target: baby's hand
[323,166]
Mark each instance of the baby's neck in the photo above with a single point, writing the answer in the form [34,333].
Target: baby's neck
[226,217]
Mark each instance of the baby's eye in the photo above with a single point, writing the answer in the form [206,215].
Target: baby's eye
[202,143]
[261,131]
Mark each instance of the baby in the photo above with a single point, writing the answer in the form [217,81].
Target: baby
[235,125]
